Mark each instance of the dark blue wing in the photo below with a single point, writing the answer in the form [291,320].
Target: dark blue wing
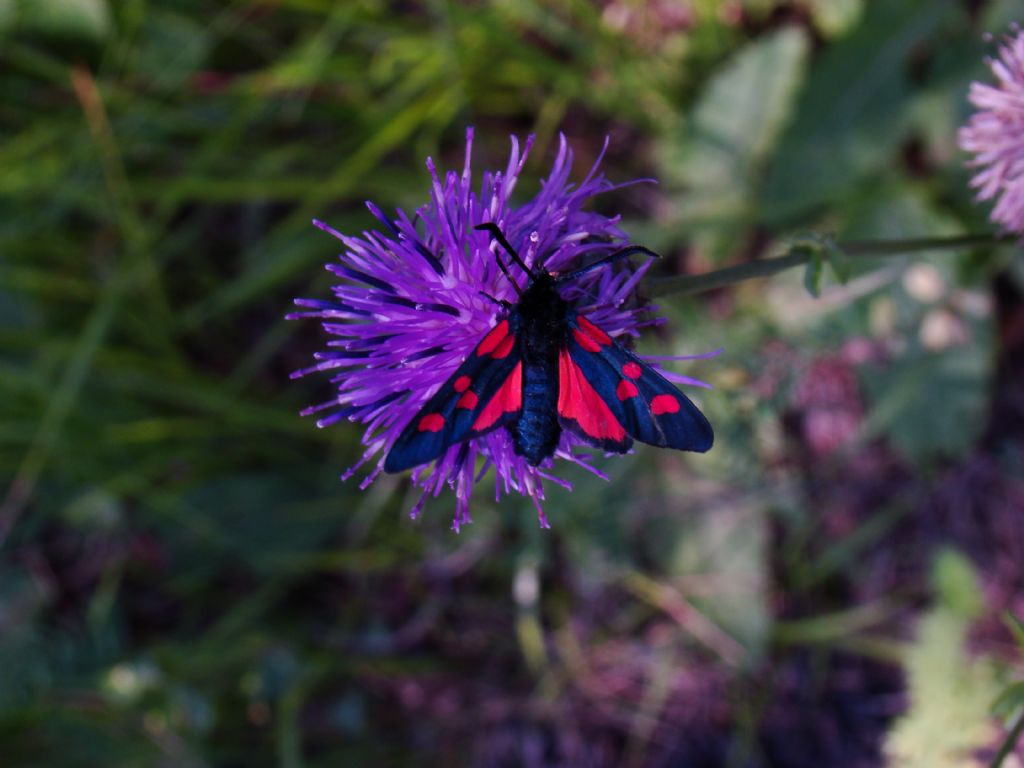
[634,398]
[484,393]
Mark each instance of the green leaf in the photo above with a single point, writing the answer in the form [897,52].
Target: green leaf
[174,46]
[1001,14]
[1009,701]
[950,696]
[739,117]
[931,404]
[956,584]
[7,15]
[837,260]
[1016,627]
[834,17]
[850,115]
[812,274]
[821,250]
[733,128]
[950,693]
[89,19]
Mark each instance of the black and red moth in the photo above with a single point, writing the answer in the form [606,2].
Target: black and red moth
[543,368]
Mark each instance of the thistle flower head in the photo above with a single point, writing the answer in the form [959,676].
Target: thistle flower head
[995,135]
[411,307]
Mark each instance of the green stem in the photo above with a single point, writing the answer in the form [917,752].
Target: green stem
[1011,741]
[795,257]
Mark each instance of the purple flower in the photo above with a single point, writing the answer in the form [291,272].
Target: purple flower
[995,135]
[411,308]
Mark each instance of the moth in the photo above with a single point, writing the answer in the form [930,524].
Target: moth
[545,367]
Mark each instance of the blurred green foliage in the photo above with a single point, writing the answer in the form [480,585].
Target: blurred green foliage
[950,692]
[185,581]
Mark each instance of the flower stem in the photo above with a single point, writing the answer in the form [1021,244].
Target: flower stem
[1010,742]
[802,254]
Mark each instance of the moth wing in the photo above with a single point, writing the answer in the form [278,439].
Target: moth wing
[619,395]
[484,393]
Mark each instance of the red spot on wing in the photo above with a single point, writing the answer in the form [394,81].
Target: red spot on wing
[593,331]
[491,341]
[633,370]
[664,404]
[468,401]
[577,400]
[507,399]
[462,383]
[504,348]
[585,341]
[432,422]
[626,389]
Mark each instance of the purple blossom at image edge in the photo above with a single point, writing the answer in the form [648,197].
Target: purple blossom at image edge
[411,309]
[995,135]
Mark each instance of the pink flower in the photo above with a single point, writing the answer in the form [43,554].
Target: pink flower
[995,135]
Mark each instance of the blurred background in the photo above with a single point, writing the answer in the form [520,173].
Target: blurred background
[185,581]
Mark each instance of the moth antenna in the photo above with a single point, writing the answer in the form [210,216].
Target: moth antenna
[492,228]
[500,302]
[508,275]
[629,250]
[503,268]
